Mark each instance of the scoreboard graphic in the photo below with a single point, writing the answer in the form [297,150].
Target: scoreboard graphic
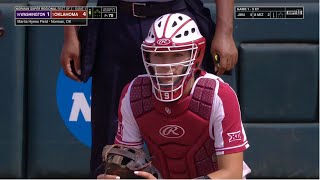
[268,12]
[61,15]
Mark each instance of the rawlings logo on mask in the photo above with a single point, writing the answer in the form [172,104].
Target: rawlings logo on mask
[164,41]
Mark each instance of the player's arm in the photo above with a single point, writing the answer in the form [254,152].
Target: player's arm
[71,31]
[223,42]
[71,46]
[229,135]
[128,132]
[224,17]
[230,166]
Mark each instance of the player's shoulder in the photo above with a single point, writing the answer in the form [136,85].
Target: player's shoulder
[211,77]
[143,78]
[223,87]
[137,80]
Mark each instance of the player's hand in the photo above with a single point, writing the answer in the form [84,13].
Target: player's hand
[144,174]
[224,46]
[106,176]
[71,52]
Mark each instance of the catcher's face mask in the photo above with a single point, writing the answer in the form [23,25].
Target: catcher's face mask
[174,42]
[123,161]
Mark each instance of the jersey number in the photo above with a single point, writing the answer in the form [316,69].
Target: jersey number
[166,95]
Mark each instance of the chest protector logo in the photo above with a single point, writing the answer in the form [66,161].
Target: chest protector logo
[171,131]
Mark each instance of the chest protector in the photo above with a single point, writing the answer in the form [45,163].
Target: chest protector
[176,133]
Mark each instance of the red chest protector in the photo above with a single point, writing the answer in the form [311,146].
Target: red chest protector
[177,133]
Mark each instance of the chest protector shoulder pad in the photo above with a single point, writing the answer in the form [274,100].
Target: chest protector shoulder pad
[141,96]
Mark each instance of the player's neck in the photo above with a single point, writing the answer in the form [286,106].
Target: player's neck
[188,88]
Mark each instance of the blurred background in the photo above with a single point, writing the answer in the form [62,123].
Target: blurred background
[45,117]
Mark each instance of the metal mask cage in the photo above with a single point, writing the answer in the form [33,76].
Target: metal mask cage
[168,92]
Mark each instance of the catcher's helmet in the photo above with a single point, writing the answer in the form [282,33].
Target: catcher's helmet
[122,161]
[173,33]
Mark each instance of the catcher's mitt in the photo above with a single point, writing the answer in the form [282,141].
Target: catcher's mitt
[122,161]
